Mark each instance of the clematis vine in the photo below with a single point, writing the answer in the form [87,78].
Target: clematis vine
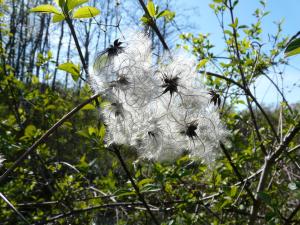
[160,109]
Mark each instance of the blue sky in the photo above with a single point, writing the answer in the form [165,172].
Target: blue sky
[204,21]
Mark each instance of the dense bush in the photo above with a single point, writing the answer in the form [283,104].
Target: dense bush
[66,157]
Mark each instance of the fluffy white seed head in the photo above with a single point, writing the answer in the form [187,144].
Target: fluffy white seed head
[160,109]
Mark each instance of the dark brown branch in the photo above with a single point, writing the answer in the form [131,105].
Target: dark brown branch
[85,67]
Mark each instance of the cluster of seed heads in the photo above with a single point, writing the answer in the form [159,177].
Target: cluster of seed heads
[160,109]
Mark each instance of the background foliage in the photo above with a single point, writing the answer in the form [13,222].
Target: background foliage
[72,178]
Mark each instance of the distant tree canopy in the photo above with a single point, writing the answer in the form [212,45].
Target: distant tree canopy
[105,121]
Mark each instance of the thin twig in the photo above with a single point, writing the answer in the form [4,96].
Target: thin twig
[116,150]
[72,29]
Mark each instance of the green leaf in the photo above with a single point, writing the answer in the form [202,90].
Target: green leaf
[293,48]
[45,9]
[167,14]
[144,181]
[202,63]
[125,193]
[58,17]
[75,3]
[151,8]
[30,130]
[235,24]
[35,80]
[71,68]
[102,132]
[88,107]
[91,130]
[86,12]
[145,20]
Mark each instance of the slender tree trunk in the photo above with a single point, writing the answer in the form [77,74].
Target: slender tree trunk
[58,53]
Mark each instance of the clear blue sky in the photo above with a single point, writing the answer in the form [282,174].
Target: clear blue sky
[205,21]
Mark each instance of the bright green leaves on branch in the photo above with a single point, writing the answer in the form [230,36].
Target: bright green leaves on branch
[154,13]
[68,10]
[71,68]
[293,48]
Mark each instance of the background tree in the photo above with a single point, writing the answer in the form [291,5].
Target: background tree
[57,168]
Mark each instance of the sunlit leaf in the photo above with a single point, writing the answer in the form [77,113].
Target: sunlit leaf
[30,130]
[86,12]
[144,181]
[151,8]
[145,20]
[57,18]
[45,9]
[71,68]
[75,3]
[169,15]
[88,107]
[202,63]
[35,80]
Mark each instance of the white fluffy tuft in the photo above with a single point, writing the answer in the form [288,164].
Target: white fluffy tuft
[161,109]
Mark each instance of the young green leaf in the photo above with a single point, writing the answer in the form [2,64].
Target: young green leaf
[151,8]
[75,3]
[86,12]
[202,63]
[71,68]
[293,48]
[145,20]
[45,9]
[167,14]
[58,17]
